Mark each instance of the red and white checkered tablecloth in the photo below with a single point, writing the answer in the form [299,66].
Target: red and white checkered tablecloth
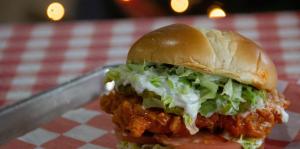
[36,57]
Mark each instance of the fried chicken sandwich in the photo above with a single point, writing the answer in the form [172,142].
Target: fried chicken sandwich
[183,88]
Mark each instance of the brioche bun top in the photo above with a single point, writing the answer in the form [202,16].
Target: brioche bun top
[223,53]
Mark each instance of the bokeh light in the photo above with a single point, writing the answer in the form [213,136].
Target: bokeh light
[216,12]
[179,6]
[55,11]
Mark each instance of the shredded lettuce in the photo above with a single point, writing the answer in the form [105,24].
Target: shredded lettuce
[187,119]
[250,143]
[231,98]
[246,143]
[130,145]
[127,145]
[208,108]
[182,91]
[152,102]
[155,81]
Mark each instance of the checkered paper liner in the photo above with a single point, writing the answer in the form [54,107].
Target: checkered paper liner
[36,57]
[89,128]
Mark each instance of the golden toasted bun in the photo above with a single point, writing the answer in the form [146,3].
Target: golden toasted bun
[222,53]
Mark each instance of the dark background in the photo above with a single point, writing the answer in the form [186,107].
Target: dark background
[12,11]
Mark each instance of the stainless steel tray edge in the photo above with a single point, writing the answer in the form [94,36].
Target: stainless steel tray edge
[28,114]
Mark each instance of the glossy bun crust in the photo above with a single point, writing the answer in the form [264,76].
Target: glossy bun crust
[222,53]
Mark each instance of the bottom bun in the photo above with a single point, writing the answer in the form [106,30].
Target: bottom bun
[201,140]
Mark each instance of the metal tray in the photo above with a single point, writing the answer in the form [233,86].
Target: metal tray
[27,114]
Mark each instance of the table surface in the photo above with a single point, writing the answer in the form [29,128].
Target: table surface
[37,57]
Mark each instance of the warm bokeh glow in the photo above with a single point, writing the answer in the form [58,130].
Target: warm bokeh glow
[179,6]
[216,13]
[55,11]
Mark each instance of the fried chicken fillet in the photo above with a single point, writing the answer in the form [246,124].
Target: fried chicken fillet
[132,118]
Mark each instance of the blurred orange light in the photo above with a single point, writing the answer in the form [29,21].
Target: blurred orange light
[55,11]
[216,12]
[179,6]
